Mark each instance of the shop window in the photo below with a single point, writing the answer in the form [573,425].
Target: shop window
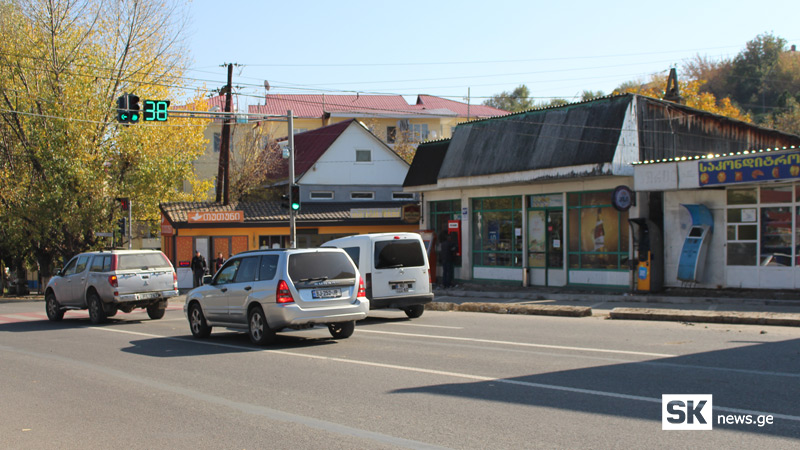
[598,233]
[762,226]
[497,232]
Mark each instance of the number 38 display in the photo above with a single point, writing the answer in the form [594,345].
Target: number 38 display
[155,110]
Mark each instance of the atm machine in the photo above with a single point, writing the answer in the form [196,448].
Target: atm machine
[695,245]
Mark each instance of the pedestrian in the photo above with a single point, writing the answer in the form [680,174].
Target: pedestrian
[447,255]
[218,262]
[198,268]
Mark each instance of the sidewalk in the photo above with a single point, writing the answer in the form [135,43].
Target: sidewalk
[734,306]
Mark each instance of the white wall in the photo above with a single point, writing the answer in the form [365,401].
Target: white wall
[338,165]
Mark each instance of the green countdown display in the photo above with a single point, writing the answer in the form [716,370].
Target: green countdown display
[155,110]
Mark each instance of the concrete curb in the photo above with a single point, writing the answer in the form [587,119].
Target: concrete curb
[504,308]
[738,318]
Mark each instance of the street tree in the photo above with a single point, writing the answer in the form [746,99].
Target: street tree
[517,100]
[63,63]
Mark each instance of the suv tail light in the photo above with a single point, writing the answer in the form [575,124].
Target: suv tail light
[362,291]
[284,295]
[112,280]
[174,280]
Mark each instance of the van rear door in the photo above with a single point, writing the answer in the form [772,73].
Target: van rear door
[400,268]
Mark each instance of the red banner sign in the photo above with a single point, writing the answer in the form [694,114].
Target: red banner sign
[216,216]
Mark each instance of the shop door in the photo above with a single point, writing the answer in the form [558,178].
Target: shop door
[545,244]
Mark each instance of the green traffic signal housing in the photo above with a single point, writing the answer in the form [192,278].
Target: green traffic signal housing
[128,108]
[295,196]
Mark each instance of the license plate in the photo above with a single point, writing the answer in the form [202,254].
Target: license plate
[326,293]
[147,296]
[402,287]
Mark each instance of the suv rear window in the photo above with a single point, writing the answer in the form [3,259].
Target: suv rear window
[398,253]
[328,265]
[142,261]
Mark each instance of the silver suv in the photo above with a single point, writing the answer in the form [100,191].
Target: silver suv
[108,281]
[264,291]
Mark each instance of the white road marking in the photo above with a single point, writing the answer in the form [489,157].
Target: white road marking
[426,326]
[465,376]
[522,344]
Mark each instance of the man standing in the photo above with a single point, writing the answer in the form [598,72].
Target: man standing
[218,262]
[447,254]
[198,268]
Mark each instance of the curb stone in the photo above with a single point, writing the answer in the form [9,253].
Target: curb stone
[738,318]
[503,308]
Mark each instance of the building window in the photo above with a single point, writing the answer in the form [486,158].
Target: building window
[420,131]
[497,231]
[321,195]
[391,134]
[762,226]
[362,195]
[364,156]
[402,196]
[598,233]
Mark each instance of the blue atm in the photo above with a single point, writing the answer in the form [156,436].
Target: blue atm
[695,246]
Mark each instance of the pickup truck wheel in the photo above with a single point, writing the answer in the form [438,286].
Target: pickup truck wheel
[197,322]
[156,310]
[342,330]
[97,313]
[414,311]
[54,311]
[258,329]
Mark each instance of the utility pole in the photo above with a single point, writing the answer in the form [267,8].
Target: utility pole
[292,226]
[130,224]
[223,188]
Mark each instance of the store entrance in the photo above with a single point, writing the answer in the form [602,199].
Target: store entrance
[546,246]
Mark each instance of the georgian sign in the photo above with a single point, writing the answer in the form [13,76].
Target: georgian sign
[751,168]
[215,216]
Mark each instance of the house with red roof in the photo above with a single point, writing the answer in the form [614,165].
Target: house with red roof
[389,117]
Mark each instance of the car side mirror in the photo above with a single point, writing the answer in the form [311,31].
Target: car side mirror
[60,272]
[207,279]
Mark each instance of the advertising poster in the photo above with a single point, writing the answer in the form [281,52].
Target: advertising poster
[536,238]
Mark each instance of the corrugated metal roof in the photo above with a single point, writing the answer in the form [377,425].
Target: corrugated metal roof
[576,134]
[316,106]
[426,164]
[272,212]
[461,109]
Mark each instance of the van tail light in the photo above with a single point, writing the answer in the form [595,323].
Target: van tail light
[112,280]
[114,262]
[362,291]
[174,280]
[284,295]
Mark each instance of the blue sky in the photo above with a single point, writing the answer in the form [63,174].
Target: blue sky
[444,48]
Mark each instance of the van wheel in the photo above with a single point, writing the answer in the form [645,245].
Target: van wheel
[97,313]
[414,311]
[197,322]
[342,330]
[54,311]
[258,329]
[156,310]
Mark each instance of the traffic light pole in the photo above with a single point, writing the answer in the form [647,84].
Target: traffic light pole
[292,227]
[130,224]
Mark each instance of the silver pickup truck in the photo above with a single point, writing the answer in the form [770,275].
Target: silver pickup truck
[108,281]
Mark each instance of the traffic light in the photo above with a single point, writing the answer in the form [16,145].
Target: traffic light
[133,108]
[295,197]
[124,204]
[121,230]
[285,201]
[128,108]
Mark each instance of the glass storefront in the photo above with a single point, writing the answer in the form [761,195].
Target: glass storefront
[440,213]
[497,231]
[763,226]
[598,233]
[545,231]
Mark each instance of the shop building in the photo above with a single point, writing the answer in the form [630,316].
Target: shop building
[544,197]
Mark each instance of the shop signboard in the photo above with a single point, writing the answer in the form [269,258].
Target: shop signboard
[750,168]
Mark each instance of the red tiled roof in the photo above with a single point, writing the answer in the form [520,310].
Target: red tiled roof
[462,109]
[309,146]
[315,106]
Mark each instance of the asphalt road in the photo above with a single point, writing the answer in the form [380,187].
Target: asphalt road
[448,379]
